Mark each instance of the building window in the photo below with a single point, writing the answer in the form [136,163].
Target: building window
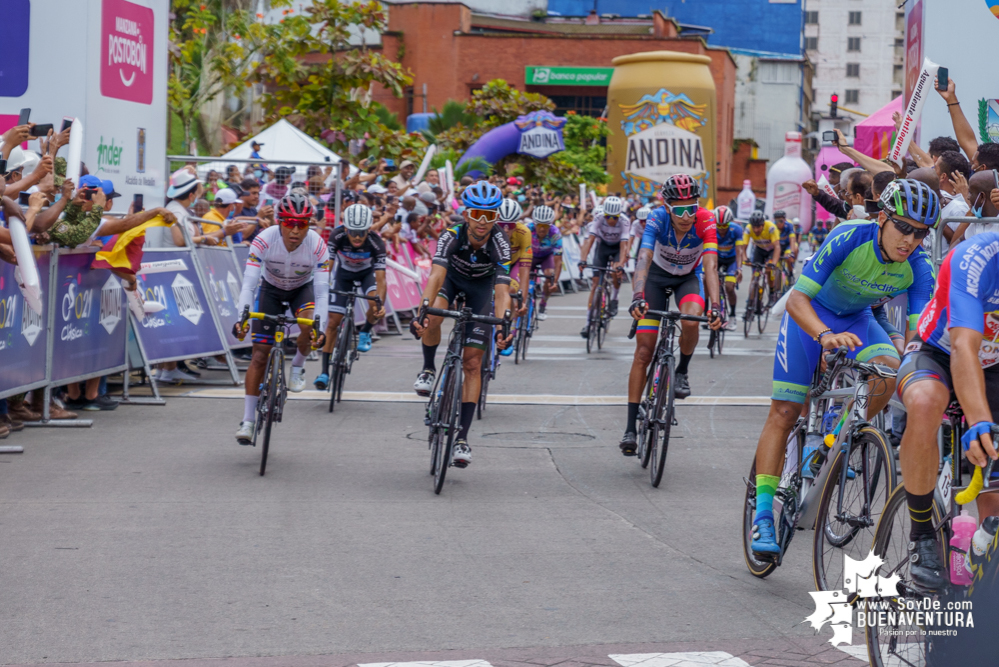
[853,69]
[853,44]
[897,75]
[811,43]
[854,18]
[896,93]
[812,18]
[582,104]
[852,96]
[779,72]
[900,22]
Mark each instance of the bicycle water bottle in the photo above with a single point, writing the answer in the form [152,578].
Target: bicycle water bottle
[810,461]
[980,543]
[963,527]
[830,418]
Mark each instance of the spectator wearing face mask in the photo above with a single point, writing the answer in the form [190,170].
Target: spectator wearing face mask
[219,225]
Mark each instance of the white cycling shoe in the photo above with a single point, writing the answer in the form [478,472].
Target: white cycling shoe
[424,383]
[296,382]
[462,455]
[244,435]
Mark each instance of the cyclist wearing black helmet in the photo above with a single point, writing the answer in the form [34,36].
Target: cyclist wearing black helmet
[788,241]
[766,246]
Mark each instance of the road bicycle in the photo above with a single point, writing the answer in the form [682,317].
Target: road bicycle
[901,641]
[598,318]
[345,353]
[841,488]
[528,323]
[444,408]
[758,301]
[655,411]
[787,277]
[716,339]
[274,387]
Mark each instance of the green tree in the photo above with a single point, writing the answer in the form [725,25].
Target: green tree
[451,115]
[584,147]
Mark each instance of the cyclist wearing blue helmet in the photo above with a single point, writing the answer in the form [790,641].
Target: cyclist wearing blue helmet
[861,264]
[472,257]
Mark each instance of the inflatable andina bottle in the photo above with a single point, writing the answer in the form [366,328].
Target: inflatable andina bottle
[784,191]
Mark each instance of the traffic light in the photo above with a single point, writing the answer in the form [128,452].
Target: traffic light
[833,101]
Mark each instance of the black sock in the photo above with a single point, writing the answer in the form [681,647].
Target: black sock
[429,353]
[920,515]
[632,418]
[467,415]
[732,309]
[326,361]
[684,362]
[366,327]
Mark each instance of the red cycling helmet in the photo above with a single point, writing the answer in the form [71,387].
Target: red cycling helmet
[680,186]
[296,205]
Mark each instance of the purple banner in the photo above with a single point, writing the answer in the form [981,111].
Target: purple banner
[224,283]
[184,329]
[242,254]
[23,332]
[89,334]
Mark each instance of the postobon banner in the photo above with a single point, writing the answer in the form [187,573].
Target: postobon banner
[913,110]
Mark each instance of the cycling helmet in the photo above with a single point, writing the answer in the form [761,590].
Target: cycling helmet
[510,211]
[482,195]
[723,216]
[295,205]
[643,213]
[543,215]
[912,199]
[357,219]
[680,186]
[779,213]
[757,218]
[613,206]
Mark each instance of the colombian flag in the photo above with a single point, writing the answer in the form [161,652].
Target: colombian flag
[124,251]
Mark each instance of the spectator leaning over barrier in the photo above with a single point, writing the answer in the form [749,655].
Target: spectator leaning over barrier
[406,171]
[223,208]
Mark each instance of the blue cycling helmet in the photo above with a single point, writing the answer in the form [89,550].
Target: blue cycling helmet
[913,199]
[482,195]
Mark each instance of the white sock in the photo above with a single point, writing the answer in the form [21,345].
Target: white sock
[250,408]
[298,361]
[614,291]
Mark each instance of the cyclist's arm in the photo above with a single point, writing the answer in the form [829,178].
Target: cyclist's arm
[501,299]
[711,278]
[794,244]
[799,307]
[642,269]
[897,339]
[381,287]
[434,283]
[321,286]
[740,257]
[969,379]
[251,274]
[584,253]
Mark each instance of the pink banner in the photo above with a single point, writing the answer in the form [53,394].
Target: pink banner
[402,290]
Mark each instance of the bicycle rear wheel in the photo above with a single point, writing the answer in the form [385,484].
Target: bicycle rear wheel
[764,312]
[848,529]
[529,327]
[450,415]
[487,373]
[662,422]
[747,319]
[338,364]
[602,320]
[272,379]
[644,449]
[712,341]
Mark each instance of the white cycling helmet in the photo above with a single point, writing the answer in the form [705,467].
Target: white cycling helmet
[543,215]
[613,206]
[510,211]
[643,213]
[357,219]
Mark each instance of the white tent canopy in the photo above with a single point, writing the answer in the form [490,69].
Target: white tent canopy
[281,141]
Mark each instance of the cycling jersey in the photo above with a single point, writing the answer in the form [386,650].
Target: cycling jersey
[608,233]
[521,242]
[967,295]
[455,253]
[849,274]
[679,256]
[286,269]
[767,238]
[370,255]
[637,229]
[818,236]
[548,246]
[726,243]
[785,234]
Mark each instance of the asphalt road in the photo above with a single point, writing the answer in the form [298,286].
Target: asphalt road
[151,537]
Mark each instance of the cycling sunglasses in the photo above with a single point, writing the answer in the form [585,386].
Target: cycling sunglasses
[611,217]
[680,211]
[482,215]
[295,223]
[357,233]
[905,229]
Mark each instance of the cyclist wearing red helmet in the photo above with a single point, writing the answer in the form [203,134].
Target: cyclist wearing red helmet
[678,236]
[294,263]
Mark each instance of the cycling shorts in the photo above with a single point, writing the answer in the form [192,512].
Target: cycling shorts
[345,281]
[785,252]
[544,263]
[478,297]
[274,301]
[728,267]
[761,255]
[606,254]
[923,361]
[686,289]
[797,354]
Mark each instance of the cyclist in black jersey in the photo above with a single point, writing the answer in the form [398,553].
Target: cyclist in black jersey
[474,258]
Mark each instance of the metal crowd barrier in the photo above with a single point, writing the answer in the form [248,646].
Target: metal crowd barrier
[937,252]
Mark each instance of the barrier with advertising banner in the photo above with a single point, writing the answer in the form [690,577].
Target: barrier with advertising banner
[223,281]
[24,336]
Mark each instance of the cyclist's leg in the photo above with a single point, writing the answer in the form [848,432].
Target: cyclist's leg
[646,335]
[730,268]
[342,281]
[302,303]
[689,296]
[479,297]
[431,337]
[877,347]
[553,270]
[270,301]
[369,286]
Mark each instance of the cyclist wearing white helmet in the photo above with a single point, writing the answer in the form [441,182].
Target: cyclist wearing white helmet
[521,252]
[609,228]
[360,260]
[547,241]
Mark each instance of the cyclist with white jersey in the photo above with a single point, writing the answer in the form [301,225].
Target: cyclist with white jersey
[293,262]
[609,228]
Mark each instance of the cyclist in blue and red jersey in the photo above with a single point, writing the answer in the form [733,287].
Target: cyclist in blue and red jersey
[861,264]
[677,237]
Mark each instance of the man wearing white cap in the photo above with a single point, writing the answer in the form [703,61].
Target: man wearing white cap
[223,206]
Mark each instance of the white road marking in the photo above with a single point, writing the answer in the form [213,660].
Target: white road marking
[858,652]
[440,663]
[695,659]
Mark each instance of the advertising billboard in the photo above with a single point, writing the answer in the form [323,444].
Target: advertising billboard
[115,82]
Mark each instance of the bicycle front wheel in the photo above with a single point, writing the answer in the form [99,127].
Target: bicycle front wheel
[275,369]
[338,362]
[747,319]
[487,374]
[662,422]
[764,311]
[848,514]
[712,340]
[644,446]
[450,419]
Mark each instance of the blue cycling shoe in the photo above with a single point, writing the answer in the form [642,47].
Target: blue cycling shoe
[321,382]
[764,540]
[507,352]
[364,341]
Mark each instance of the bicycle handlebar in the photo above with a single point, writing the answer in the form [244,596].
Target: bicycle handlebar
[672,315]
[377,299]
[280,320]
[838,360]
[594,267]
[979,479]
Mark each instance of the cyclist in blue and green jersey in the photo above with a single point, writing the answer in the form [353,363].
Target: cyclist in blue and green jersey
[731,255]
[861,264]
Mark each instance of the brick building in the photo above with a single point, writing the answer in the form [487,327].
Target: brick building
[453,51]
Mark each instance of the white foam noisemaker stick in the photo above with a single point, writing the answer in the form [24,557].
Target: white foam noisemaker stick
[781,305]
[27,269]
[442,179]
[824,185]
[913,110]
[424,165]
[582,196]
[593,197]
[73,160]
[450,179]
